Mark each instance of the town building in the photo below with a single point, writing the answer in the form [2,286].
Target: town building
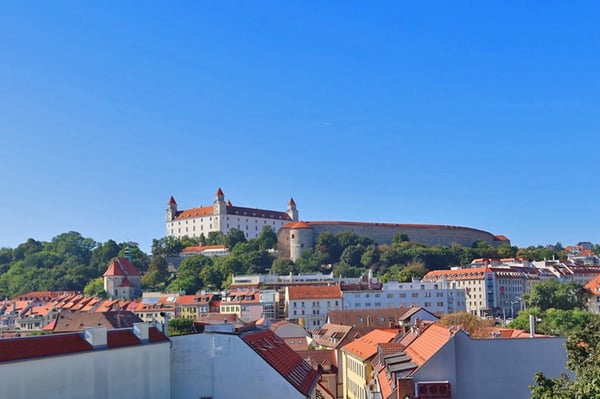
[223,216]
[356,362]
[195,306]
[237,360]
[122,279]
[96,364]
[445,363]
[489,291]
[437,297]
[308,305]
[245,304]
[292,334]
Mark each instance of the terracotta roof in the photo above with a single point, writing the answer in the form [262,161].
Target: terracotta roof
[314,292]
[172,201]
[195,212]
[283,359]
[220,192]
[366,346]
[292,202]
[62,344]
[297,225]
[327,359]
[428,343]
[593,286]
[121,267]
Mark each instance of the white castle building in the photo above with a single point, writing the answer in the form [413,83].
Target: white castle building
[223,216]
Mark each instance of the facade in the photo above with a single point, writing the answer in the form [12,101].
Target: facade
[245,304]
[295,237]
[122,279]
[195,306]
[437,297]
[292,334]
[308,305]
[356,362]
[489,291]
[97,364]
[247,362]
[223,216]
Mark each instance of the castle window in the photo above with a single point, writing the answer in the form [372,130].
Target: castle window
[293,236]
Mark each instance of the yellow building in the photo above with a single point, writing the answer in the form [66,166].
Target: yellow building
[356,362]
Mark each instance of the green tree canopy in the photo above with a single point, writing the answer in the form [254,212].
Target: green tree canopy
[559,295]
[583,359]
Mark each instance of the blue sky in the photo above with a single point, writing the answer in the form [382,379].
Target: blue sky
[475,114]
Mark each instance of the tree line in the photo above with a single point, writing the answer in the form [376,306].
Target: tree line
[73,262]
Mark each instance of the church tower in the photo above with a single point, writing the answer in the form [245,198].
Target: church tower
[292,211]
[171,209]
[219,208]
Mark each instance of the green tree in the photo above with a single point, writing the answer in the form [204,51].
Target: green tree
[329,247]
[267,238]
[180,326]
[371,256]
[157,273]
[583,359]
[95,288]
[282,266]
[103,254]
[166,246]
[215,238]
[352,255]
[415,269]
[559,295]
[188,275]
[399,237]
[234,237]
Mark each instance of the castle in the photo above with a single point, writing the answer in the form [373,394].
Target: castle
[295,236]
[223,216]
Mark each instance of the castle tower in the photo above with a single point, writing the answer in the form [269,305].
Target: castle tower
[292,211]
[219,206]
[171,209]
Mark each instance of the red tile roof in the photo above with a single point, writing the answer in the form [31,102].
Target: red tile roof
[121,267]
[428,343]
[202,248]
[366,346]
[62,344]
[172,201]
[283,359]
[314,292]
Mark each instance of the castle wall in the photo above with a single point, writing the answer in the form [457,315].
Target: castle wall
[291,244]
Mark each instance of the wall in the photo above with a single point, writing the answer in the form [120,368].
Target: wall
[206,365]
[133,372]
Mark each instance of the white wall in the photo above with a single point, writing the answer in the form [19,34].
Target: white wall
[494,368]
[133,372]
[223,366]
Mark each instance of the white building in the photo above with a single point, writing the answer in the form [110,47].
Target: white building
[436,297]
[307,305]
[225,363]
[100,364]
[223,216]
[489,290]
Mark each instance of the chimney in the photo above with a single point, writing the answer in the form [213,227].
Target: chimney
[142,331]
[531,326]
[96,336]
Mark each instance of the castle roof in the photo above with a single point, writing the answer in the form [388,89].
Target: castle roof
[121,267]
[172,201]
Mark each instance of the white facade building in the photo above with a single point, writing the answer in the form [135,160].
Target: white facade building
[307,305]
[436,297]
[222,363]
[223,216]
